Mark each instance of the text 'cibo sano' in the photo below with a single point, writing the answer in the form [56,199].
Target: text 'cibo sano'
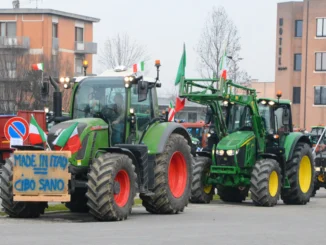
[45,161]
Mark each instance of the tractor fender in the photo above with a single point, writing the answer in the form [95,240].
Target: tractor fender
[157,136]
[292,140]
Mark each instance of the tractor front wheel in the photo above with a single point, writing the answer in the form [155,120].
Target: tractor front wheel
[16,209]
[266,183]
[201,193]
[111,187]
[173,176]
[300,173]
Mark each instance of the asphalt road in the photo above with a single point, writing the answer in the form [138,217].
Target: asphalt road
[216,223]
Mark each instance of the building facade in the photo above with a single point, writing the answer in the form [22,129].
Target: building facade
[263,89]
[59,40]
[301,59]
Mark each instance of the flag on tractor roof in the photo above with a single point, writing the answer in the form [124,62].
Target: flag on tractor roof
[68,139]
[139,67]
[179,104]
[38,67]
[36,134]
[182,66]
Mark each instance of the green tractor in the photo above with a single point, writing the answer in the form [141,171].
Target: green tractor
[126,147]
[256,151]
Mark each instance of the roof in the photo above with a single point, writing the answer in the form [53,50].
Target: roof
[282,101]
[50,12]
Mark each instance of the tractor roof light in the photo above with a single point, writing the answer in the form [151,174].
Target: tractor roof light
[225,102]
[67,79]
[279,94]
[271,103]
[62,80]
[132,111]
[85,63]
[263,102]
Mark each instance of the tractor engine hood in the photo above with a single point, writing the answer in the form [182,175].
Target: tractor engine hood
[58,128]
[235,140]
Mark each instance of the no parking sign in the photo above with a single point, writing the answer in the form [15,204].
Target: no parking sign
[16,130]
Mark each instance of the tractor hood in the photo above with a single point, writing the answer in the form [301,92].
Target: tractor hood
[235,140]
[83,123]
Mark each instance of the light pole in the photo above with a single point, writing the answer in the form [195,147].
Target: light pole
[235,66]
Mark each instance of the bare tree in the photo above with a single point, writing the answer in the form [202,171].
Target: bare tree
[219,34]
[122,50]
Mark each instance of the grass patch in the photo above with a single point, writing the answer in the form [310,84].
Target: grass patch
[137,202]
[57,207]
[216,197]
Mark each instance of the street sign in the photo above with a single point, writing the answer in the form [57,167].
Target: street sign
[16,128]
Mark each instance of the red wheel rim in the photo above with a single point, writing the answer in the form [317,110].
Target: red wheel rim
[122,197]
[177,174]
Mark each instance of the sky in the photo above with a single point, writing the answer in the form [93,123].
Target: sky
[164,25]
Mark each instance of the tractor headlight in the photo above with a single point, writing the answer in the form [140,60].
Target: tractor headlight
[220,152]
[232,152]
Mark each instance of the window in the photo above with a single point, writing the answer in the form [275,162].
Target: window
[321,27]
[320,95]
[298,28]
[55,30]
[79,34]
[281,21]
[296,95]
[79,65]
[297,62]
[192,117]
[8,29]
[320,62]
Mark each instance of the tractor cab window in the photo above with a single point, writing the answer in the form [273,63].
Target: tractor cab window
[99,97]
[239,118]
[143,110]
[266,112]
[196,132]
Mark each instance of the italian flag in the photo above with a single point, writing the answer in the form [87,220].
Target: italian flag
[68,139]
[139,67]
[223,73]
[38,67]
[171,112]
[179,104]
[36,134]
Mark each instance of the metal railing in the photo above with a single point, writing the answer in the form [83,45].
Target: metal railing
[15,42]
[86,47]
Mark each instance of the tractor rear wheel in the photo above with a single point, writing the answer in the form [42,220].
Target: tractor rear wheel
[301,174]
[111,187]
[16,209]
[78,203]
[201,193]
[266,182]
[231,194]
[173,176]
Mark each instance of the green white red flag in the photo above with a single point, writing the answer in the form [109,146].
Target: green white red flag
[36,134]
[223,71]
[68,139]
[139,67]
[171,112]
[38,67]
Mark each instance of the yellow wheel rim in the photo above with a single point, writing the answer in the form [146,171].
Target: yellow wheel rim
[208,189]
[273,184]
[305,174]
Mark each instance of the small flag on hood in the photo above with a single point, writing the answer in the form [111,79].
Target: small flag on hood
[38,67]
[36,134]
[68,139]
[139,67]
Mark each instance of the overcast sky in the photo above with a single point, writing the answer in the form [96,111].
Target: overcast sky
[164,25]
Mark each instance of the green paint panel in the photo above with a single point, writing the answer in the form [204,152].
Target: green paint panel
[235,140]
[154,135]
[289,141]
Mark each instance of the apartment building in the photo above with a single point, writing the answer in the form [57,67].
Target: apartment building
[46,34]
[300,69]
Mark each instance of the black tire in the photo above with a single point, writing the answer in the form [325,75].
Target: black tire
[78,203]
[265,171]
[200,170]
[232,194]
[314,192]
[163,201]
[17,209]
[102,185]
[295,195]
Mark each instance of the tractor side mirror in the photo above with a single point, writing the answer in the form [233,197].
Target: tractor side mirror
[142,91]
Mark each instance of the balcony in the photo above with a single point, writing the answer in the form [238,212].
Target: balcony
[14,43]
[85,48]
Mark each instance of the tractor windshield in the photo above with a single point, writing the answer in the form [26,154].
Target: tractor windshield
[101,97]
[238,118]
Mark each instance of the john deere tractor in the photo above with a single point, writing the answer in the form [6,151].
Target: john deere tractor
[126,147]
[257,150]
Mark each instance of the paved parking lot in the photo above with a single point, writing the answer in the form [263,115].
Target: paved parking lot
[216,223]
